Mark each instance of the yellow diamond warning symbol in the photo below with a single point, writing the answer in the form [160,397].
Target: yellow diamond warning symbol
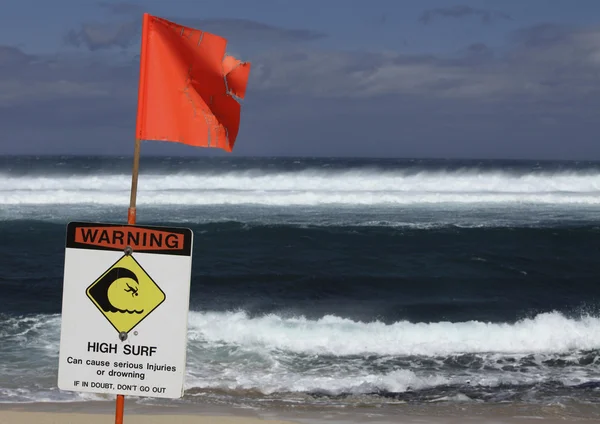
[125,294]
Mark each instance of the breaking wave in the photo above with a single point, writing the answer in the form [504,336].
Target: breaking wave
[273,353]
[309,188]
[332,335]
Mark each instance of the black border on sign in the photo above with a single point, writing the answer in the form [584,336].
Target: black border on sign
[186,232]
[102,275]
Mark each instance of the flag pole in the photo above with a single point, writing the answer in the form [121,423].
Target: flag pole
[131,212]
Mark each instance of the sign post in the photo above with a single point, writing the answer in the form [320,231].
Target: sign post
[132,281]
[125,310]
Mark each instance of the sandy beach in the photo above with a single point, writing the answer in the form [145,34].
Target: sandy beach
[22,417]
[103,413]
[8,417]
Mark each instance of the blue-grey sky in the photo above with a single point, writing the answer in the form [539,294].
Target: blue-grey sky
[384,78]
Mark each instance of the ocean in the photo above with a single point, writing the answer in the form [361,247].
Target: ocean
[331,281]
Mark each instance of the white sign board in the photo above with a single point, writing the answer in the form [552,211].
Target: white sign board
[125,309]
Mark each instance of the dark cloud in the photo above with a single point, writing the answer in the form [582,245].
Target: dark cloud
[536,97]
[475,54]
[96,36]
[10,56]
[567,67]
[28,79]
[543,34]
[535,65]
[12,60]
[478,49]
[461,11]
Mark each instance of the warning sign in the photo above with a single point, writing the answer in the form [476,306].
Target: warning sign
[125,294]
[125,309]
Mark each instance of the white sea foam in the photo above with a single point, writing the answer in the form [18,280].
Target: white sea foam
[331,335]
[276,354]
[331,383]
[308,188]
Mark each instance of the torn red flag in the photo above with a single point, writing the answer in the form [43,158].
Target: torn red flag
[189,89]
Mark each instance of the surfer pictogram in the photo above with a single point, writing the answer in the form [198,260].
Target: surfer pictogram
[125,294]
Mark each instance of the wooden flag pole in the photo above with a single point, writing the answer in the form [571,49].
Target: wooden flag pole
[131,213]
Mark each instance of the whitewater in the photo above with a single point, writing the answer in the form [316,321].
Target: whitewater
[421,198]
[306,188]
[274,354]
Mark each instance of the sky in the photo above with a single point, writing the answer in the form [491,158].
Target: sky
[380,78]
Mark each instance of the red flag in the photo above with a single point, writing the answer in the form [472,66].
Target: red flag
[188,88]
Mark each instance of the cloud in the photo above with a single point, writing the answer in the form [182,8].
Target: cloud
[15,92]
[524,100]
[461,11]
[96,36]
[361,75]
[12,56]
[540,63]
[544,34]
[27,79]
[105,35]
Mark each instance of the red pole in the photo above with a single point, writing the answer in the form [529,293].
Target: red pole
[131,215]
[119,409]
